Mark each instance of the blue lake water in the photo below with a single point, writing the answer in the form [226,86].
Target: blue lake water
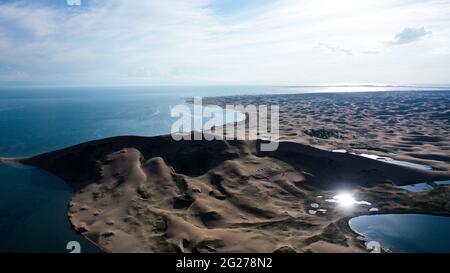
[33,203]
[33,121]
[443,183]
[412,233]
[419,187]
[33,212]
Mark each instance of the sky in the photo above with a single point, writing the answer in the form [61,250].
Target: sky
[148,42]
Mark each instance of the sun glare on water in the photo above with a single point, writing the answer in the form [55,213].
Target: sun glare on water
[345,200]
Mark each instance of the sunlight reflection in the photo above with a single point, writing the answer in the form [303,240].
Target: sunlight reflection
[346,200]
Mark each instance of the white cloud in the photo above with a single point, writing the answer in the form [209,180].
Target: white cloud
[410,35]
[146,42]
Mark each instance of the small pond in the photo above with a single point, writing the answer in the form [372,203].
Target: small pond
[414,233]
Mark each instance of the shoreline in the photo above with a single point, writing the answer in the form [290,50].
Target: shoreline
[154,194]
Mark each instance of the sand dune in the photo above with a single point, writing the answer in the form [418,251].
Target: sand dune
[411,126]
[154,194]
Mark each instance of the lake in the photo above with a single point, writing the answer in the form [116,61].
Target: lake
[33,212]
[33,203]
[411,233]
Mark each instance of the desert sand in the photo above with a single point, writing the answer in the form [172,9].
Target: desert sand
[410,126]
[154,194]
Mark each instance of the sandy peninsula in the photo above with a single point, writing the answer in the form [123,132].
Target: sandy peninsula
[155,194]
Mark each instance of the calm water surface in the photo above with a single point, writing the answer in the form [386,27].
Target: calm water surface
[33,212]
[413,233]
[33,203]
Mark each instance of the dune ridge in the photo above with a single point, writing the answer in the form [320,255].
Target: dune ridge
[413,126]
[155,194]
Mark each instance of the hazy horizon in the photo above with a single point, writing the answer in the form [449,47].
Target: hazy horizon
[373,86]
[224,42]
